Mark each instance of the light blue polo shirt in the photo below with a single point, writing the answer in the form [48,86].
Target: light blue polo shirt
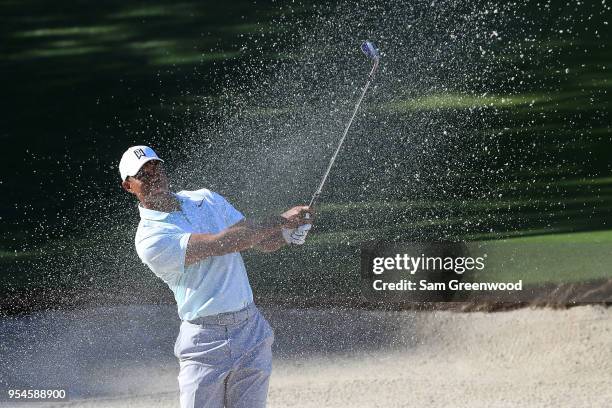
[216,284]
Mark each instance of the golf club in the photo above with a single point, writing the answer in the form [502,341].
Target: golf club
[372,52]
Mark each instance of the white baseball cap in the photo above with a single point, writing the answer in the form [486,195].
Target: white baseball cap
[133,159]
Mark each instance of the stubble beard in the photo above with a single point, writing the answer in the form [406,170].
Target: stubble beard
[163,201]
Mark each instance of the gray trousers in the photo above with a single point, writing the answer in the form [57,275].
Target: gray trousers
[225,360]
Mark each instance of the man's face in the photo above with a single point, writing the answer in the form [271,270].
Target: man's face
[150,181]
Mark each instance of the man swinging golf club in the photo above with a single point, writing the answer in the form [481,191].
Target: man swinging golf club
[192,240]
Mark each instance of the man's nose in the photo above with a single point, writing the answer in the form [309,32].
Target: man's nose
[156,177]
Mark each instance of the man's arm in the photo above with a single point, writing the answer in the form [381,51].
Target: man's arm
[241,236]
[293,236]
[273,242]
[238,237]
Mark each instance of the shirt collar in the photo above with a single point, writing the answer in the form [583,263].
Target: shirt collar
[154,215]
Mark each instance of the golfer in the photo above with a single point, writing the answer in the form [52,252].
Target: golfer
[192,241]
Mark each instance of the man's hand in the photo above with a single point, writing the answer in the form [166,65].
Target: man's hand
[296,223]
[296,216]
[296,236]
[300,222]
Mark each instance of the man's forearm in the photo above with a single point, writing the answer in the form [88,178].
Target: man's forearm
[239,237]
[274,242]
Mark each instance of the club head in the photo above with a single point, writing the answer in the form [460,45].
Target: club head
[370,50]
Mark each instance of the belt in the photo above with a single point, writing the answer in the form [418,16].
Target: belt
[228,318]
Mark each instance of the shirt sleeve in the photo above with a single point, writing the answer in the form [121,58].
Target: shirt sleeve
[231,215]
[164,254]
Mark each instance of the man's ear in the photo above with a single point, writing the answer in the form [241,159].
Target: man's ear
[127,185]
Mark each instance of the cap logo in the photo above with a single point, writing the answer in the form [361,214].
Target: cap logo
[139,153]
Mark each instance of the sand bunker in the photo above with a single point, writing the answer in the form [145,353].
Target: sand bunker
[122,357]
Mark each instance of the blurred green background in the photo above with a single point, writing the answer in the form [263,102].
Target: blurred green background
[83,80]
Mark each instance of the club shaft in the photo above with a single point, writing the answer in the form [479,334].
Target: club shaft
[317,193]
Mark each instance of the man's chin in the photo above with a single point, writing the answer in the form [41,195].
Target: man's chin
[158,195]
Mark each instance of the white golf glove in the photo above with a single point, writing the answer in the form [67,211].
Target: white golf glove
[296,236]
